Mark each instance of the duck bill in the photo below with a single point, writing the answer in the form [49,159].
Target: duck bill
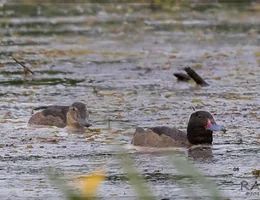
[83,122]
[212,126]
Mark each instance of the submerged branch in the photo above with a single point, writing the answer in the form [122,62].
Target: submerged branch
[195,77]
[26,69]
[182,77]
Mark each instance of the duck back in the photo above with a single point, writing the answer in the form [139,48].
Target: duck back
[161,136]
[172,132]
[51,116]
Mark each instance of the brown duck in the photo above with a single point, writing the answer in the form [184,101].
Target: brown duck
[75,116]
[199,131]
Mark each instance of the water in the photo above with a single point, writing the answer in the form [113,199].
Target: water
[120,61]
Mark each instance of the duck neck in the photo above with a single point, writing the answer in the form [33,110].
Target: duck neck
[199,135]
[73,125]
[71,122]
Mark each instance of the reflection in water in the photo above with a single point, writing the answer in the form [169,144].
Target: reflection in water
[201,153]
[73,130]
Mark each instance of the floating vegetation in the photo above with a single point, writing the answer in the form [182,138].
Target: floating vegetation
[44,81]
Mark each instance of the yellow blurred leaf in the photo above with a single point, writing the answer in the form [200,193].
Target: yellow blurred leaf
[89,184]
[29,146]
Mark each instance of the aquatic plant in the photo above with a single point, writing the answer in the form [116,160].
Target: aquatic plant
[90,183]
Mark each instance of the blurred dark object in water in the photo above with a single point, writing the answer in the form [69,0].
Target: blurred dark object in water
[197,78]
[191,74]
[182,77]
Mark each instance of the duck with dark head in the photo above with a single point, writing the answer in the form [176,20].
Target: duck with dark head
[74,116]
[199,131]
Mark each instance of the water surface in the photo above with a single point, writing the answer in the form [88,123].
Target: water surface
[120,62]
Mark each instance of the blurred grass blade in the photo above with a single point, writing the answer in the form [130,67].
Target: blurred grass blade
[187,168]
[134,176]
[56,179]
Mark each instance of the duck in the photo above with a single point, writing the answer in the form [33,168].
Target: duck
[75,116]
[191,74]
[199,131]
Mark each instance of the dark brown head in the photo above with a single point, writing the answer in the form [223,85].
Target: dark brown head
[200,128]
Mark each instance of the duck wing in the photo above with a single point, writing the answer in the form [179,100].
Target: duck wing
[56,112]
[172,132]
[160,136]
[50,116]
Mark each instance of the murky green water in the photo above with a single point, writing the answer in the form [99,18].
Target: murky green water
[119,61]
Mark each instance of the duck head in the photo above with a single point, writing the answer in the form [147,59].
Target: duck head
[77,116]
[82,109]
[200,128]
